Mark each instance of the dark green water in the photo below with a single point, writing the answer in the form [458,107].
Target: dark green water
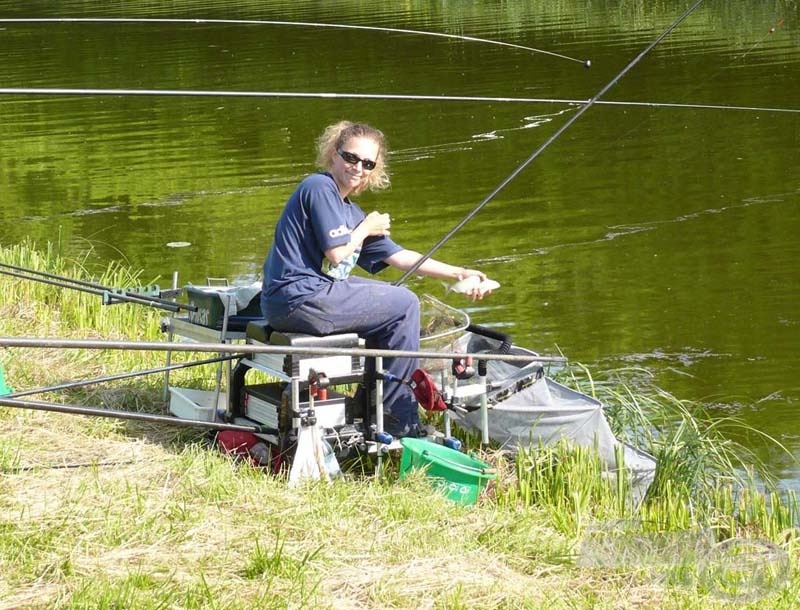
[656,237]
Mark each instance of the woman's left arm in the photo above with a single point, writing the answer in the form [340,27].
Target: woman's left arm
[406,259]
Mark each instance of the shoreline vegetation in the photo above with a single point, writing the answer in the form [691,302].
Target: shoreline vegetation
[103,513]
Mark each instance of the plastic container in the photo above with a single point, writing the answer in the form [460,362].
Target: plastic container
[459,477]
[189,403]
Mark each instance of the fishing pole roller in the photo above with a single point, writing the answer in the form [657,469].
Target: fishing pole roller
[462,368]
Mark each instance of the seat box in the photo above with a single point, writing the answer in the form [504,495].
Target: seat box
[299,365]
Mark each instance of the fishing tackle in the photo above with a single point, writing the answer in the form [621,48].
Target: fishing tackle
[763,38]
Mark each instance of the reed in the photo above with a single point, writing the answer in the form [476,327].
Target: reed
[703,477]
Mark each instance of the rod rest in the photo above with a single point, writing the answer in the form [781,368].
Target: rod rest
[259,330]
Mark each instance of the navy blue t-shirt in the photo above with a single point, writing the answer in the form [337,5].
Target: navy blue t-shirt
[315,219]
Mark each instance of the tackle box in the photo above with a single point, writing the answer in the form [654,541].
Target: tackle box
[211,303]
[299,365]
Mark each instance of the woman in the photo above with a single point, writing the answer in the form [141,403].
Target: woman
[321,235]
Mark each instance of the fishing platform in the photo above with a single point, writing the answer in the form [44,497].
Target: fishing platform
[473,376]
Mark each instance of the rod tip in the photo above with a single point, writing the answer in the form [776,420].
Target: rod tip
[587,64]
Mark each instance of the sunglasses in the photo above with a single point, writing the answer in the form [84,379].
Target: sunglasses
[355,160]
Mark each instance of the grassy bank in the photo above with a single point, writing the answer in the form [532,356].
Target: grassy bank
[101,513]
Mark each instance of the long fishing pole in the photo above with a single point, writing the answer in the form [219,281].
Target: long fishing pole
[344,26]
[77,91]
[54,276]
[38,405]
[253,348]
[109,294]
[86,382]
[549,141]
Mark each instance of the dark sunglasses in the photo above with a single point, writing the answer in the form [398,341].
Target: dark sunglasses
[355,160]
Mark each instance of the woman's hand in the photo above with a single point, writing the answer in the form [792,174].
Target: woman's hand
[376,223]
[473,283]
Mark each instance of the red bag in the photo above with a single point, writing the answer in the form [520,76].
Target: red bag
[240,445]
[426,392]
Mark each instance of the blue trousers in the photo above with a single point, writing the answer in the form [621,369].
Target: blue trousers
[385,316]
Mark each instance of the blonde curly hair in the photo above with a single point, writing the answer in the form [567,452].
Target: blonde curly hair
[337,135]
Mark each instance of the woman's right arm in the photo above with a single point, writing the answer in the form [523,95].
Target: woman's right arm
[374,223]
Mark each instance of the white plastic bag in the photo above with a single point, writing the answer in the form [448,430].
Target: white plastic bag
[314,457]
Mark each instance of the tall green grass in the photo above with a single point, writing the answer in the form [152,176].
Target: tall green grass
[38,309]
[703,477]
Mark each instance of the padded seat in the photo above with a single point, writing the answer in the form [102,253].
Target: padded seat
[259,330]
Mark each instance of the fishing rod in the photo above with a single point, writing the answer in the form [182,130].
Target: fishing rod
[252,348]
[110,295]
[585,62]
[86,382]
[38,405]
[549,141]
[74,91]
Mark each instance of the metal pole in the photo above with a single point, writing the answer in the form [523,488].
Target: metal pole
[145,417]
[85,382]
[250,348]
[379,415]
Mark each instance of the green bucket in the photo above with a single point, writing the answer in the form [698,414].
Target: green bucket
[4,389]
[458,476]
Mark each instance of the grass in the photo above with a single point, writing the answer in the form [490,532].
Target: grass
[101,513]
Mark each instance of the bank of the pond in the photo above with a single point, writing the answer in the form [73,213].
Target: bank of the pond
[102,513]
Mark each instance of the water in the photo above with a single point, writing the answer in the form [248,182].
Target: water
[653,237]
